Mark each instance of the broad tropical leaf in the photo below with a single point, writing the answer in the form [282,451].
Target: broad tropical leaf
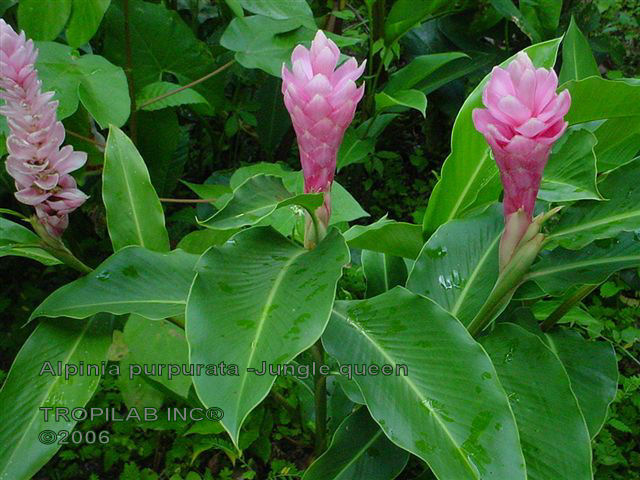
[258,298]
[382,272]
[133,280]
[22,242]
[387,236]
[448,408]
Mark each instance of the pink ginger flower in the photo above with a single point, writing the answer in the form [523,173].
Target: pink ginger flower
[523,118]
[322,101]
[36,162]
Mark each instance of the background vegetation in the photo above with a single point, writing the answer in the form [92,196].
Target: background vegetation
[237,118]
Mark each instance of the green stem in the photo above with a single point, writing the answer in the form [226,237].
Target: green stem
[565,306]
[133,121]
[58,249]
[320,397]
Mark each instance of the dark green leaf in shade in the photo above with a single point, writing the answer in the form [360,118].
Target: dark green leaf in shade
[382,272]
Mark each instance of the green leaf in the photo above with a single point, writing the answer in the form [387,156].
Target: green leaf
[416,75]
[577,58]
[133,280]
[404,98]
[469,168]
[199,241]
[509,11]
[382,272]
[164,146]
[257,198]
[355,148]
[575,316]
[546,410]
[593,371]
[273,118]
[358,449]
[21,242]
[134,213]
[136,392]
[281,11]
[161,43]
[263,42]
[91,79]
[458,266]
[152,342]
[571,172]
[590,220]
[448,408]
[595,98]
[187,96]
[271,305]
[86,17]
[28,388]
[592,265]
[618,142]
[406,14]
[43,19]
[387,236]
[542,15]
[344,208]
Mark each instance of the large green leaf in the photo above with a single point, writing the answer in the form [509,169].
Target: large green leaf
[152,342]
[469,168]
[134,212]
[571,172]
[577,59]
[592,265]
[618,142]
[263,42]
[593,371]
[355,148]
[449,408]
[402,98]
[133,280]
[31,386]
[358,449]
[546,410]
[43,19]
[91,79]
[417,73]
[22,242]
[387,236]
[279,10]
[257,198]
[509,11]
[458,266]
[161,43]
[542,15]
[382,272]
[591,220]
[595,98]
[258,298]
[86,17]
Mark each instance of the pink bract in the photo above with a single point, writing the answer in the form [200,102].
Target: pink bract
[322,101]
[523,118]
[36,162]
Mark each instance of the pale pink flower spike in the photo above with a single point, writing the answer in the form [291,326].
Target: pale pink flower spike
[36,162]
[322,101]
[523,118]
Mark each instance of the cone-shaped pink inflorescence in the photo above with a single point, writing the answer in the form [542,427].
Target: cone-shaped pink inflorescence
[36,162]
[524,116]
[322,101]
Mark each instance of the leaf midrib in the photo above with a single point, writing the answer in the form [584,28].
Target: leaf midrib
[584,263]
[595,223]
[414,388]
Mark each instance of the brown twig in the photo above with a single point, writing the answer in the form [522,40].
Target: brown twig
[188,85]
[86,139]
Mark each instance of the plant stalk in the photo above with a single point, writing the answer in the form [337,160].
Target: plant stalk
[565,306]
[188,85]
[133,121]
[320,397]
